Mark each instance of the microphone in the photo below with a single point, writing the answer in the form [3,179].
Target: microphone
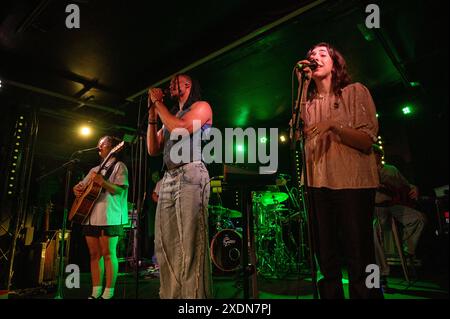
[87,150]
[312,65]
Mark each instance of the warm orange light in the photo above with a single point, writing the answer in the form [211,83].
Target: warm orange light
[85,131]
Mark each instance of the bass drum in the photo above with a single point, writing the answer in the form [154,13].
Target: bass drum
[226,248]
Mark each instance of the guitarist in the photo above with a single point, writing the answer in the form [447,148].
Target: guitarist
[396,197]
[103,226]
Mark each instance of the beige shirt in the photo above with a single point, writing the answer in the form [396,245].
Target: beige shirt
[330,163]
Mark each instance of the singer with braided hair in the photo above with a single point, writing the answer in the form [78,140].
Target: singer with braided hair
[181,223]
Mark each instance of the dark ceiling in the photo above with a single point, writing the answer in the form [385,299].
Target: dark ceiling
[242,52]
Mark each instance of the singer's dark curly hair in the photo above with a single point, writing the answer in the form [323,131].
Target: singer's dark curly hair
[340,77]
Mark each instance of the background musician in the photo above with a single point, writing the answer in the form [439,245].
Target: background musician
[396,197]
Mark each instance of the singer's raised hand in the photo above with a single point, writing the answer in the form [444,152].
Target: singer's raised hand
[155,95]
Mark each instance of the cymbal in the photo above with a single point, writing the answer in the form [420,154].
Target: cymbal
[220,210]
[270,198]
[234,213]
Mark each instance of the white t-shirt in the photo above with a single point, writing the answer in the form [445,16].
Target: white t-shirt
[110,209]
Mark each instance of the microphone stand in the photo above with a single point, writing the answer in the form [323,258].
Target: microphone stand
[297,129]
[292,197]
[139,187]
[69,165]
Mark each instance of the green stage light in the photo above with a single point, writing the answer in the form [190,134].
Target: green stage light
[407,110]
[240,148]
[263,140]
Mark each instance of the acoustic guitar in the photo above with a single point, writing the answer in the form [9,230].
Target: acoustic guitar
[82,206]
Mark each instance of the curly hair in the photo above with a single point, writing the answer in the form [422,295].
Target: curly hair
[340,77]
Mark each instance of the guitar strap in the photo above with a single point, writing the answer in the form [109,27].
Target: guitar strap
[109,172]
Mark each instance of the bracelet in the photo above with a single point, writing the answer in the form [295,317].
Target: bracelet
[152,122]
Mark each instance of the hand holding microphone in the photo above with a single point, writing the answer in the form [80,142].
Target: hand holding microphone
[155,95]
[305,68]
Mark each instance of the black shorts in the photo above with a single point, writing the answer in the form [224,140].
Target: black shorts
[97,231]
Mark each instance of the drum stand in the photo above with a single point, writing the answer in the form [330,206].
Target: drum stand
[248,246]
[274,260]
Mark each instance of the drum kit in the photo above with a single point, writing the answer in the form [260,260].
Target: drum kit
[278,234]
[226,244]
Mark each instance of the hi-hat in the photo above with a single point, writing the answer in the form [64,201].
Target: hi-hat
[271,198]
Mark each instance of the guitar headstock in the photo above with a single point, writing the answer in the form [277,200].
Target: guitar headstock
[117,148]
[114,150]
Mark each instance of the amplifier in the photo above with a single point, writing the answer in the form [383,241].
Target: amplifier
[46,257]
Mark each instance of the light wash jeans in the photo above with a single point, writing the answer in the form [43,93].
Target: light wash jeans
[181,233]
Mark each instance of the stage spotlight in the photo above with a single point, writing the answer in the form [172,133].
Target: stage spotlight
[85,131]
[283,138]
